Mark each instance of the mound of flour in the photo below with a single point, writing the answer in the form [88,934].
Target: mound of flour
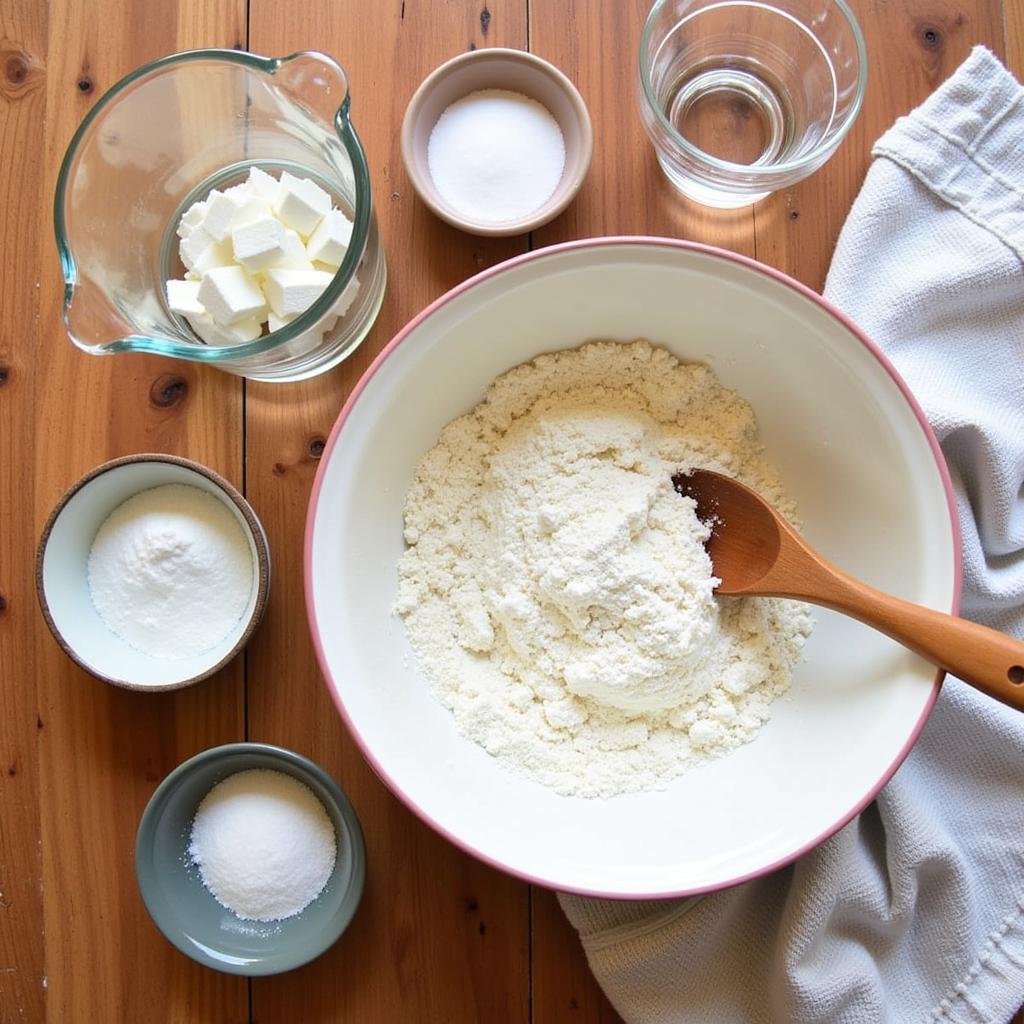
[556,589]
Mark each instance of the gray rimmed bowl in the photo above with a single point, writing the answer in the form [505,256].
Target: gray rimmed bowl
[62,579]
[183,908]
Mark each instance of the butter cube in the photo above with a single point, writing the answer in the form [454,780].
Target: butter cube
[229,209]
[192,245]
[221,208]
[301,203]
[191,219]
[259,244]
[252,209]
[295,256]
[329,242]
[183,297]
[263,185]
[229,295]
[291,292]
[275,322]
[216,254]
[233,334]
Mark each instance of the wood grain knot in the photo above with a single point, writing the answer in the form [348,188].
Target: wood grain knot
[316,446]
[12,768]
[794,214]
[39,722]
[167,390]
[3,604]
[471,904]
[5,375]
[22,71]
[16,69]
[85,84]
[485,20]
[930,36]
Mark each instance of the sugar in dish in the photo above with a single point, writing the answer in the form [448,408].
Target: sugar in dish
[264,844]
[170,571]
[496,156]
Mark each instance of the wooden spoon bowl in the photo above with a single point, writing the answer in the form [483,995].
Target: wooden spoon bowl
[755,551]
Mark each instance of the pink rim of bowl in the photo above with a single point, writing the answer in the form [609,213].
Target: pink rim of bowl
[671,243]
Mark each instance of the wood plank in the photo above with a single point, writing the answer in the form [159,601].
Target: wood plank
[81,758]
[439,936]
[563,987]
[23,30]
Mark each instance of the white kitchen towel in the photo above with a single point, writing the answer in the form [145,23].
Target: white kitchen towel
[915,910]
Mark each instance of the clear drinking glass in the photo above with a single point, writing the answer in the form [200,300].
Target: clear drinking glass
[161,139]
[743,97]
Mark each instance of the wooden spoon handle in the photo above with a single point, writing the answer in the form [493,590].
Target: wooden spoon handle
[988,660]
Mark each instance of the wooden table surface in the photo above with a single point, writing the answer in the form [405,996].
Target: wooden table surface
[439,937]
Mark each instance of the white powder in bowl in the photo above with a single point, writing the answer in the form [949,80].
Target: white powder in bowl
[264,844]
[496,156]
[556,588]
[171,571]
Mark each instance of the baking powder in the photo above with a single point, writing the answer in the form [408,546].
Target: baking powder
[171,571]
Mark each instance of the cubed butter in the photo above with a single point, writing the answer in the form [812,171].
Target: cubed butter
[301,203]
[193,245]
[262,184]
[275,322]
[234,334]
[295,256]
[259,244]
[229,295]
[191,219]
[290,292]
[183,297]
[216,254]
[329,242]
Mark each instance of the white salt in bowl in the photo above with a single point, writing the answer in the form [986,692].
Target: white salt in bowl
[514,71]
[62,581]
[854,451]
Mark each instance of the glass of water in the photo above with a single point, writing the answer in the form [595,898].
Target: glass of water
[744,97]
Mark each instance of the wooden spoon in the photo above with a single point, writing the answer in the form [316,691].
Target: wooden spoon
[755,551]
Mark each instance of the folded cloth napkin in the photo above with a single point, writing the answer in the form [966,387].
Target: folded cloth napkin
[915,910]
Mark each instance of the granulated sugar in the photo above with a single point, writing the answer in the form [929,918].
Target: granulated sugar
[264,844]
[496,155]
[556,588]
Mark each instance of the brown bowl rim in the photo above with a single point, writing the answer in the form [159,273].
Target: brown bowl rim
[256,531]
[543,214]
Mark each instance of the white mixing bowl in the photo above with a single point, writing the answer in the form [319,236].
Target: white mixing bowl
[854,451]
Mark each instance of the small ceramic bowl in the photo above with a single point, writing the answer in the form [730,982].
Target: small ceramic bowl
[62,583]
[515,71]
[184,909]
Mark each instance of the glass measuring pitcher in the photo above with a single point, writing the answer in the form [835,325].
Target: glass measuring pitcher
[160,140]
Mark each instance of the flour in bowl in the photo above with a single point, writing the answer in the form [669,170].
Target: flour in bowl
[556,589]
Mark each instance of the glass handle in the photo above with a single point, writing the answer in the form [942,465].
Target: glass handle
[316,82]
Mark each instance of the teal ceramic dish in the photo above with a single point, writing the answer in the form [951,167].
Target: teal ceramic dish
[185,911]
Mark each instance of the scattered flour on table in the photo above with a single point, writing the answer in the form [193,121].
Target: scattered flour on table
[556,589]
